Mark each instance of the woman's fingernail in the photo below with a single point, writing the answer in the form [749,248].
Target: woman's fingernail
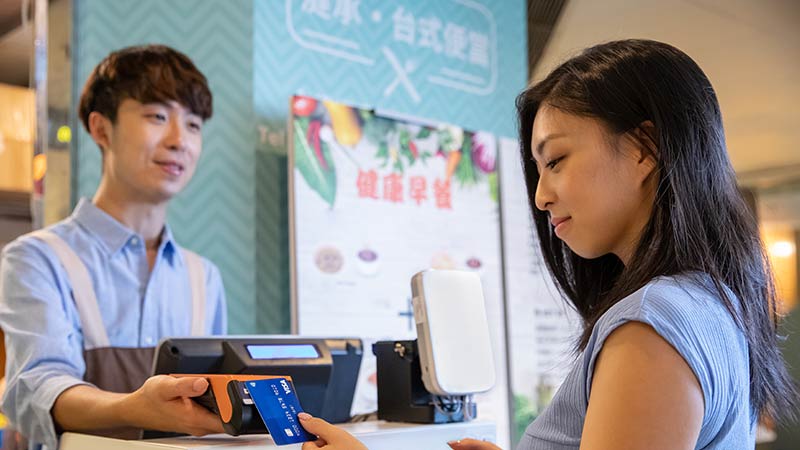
[452,443]
[304,416]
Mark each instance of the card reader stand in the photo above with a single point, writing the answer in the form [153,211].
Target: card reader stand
[402,397]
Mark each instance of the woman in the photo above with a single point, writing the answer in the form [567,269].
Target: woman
[645,233]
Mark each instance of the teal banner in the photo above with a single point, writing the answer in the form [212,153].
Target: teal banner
[455,61]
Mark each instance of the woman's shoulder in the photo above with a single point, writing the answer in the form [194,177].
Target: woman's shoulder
[690,314]
[687,300]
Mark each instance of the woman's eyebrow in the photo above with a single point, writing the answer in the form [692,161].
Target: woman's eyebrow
[548,138]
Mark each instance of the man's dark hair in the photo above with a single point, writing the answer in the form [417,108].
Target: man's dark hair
[148,74]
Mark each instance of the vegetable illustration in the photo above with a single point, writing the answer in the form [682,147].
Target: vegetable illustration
[465,171]
[303,106]
[451,138]
[313,159]
[399,145]
[316,144]
[453,158]
[413,148]
[494,189]
[484,151]
[344,122]
[323,127]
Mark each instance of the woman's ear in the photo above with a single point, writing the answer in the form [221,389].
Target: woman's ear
[647,149]
[645,133]
[100,130]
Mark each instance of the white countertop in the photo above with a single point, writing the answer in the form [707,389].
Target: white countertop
[376,435]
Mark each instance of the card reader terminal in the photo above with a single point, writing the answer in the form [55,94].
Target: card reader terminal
[324,370]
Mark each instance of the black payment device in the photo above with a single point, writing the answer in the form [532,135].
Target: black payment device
[308,361]
[324,371]
[402,396]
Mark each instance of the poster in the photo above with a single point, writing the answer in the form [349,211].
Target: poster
[376,198]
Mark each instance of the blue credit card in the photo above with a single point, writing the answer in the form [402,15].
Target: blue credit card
[276,402]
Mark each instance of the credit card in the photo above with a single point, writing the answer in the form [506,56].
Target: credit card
[276,402]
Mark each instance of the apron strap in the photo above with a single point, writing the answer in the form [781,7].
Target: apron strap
[94,332]
[197,281]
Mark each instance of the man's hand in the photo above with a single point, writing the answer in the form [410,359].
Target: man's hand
[330,436]
[162,403]
[165,403]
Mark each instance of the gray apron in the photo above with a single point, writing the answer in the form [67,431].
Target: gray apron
[116,369]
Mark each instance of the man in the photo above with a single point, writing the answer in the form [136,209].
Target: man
[84,302]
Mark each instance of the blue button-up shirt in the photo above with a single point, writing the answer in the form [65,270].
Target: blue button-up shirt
[44,342]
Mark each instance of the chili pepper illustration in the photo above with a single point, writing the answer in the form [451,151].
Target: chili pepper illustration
[313,140]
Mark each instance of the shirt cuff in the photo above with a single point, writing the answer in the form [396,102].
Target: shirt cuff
[44,398]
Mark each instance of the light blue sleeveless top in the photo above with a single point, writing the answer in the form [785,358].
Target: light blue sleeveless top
[695,322]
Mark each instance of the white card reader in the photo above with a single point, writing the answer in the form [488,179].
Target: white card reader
[455,348]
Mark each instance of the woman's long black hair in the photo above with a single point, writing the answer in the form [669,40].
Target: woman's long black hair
[699,223]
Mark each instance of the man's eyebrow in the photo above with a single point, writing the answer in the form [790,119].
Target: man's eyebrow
[156,103]
[172,105]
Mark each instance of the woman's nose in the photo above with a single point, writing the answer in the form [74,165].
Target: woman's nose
[544,194]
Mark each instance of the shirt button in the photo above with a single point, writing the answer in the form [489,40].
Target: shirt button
[148,340]
[135,241]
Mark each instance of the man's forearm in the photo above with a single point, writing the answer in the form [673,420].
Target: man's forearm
[162,403]
[86,408]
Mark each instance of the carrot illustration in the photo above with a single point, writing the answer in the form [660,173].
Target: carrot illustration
[453,158]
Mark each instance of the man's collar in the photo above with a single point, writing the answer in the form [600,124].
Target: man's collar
[112,234]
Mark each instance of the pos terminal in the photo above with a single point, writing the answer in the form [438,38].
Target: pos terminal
[323,371]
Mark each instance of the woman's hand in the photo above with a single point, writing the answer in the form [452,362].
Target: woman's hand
[165,403]
[330,436]
[472,444]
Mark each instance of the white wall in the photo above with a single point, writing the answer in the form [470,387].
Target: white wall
[749,49]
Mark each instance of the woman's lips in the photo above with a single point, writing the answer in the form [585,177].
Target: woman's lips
[559,223]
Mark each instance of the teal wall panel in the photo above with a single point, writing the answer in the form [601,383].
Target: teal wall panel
[215,216]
